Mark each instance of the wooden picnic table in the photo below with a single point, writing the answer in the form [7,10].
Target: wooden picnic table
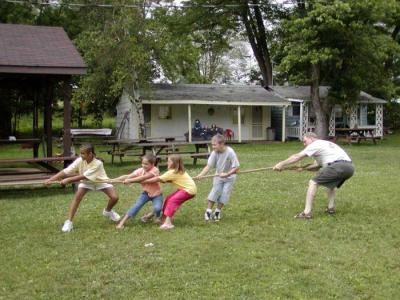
[35,142]
[356,134]
[17,176]
[159,149]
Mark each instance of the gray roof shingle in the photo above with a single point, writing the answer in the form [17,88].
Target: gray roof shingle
[38,50]
[212,93]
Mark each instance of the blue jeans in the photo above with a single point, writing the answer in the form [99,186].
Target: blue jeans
[142,200]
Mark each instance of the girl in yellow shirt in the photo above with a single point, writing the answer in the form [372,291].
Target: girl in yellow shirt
[87,170]
[186,188]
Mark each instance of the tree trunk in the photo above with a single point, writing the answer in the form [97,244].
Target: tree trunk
[134,97]
[320,108]
[255,29]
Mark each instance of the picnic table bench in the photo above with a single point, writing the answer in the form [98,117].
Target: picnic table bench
[28,176]
[356,134]
[159,149]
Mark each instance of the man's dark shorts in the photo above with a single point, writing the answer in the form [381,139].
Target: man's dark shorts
[334,174]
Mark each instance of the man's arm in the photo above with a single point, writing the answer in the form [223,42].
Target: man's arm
[312,167]
[292,159]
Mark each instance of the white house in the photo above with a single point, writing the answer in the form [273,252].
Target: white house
[170,110]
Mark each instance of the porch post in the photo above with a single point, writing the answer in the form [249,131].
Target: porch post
[301,121]
[190,123]
[67,117]
[283,123]
[48,117]
[239,124]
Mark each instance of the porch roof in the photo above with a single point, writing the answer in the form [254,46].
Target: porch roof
[212,94]
[303,93]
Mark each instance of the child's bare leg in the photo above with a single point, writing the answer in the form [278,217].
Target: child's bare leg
[112,198]
[73,207]
[122,222]
[220,205]
[210,204]
[168,221]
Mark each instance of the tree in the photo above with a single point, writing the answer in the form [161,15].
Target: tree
[338,43]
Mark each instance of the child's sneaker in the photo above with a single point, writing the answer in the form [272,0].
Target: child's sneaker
[207,215]
[166,226]
[67,227]
[112,215]
[217,215]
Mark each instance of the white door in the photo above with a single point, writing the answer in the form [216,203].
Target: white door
[257,122]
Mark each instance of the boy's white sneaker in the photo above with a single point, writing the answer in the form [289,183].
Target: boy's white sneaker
[217,215]
[208,215]
[112,215]
[67,227]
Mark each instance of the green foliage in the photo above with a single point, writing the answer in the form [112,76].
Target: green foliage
[346,39]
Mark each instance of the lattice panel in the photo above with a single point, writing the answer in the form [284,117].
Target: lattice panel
[332,123]
[305,121]
[379,120]
[353,117]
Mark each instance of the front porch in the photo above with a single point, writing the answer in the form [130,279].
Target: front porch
[362,115]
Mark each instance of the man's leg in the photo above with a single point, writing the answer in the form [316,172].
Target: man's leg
[312,190]
[331,198]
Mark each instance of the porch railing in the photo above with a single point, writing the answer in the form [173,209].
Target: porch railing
[293,132]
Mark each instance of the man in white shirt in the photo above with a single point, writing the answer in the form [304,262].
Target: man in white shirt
[335,168]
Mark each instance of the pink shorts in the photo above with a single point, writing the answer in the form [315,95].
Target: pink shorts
[174,201]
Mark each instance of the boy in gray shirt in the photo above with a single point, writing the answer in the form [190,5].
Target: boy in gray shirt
[226,163]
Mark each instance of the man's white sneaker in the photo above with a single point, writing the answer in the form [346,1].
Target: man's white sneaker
[67,227]
[112,215]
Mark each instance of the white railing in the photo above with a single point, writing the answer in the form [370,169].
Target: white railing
[293,131]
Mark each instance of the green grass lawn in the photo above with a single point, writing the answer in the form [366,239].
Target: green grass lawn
[257,251]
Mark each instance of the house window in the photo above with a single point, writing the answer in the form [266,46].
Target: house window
[164,112]
[294,110]
[147,113]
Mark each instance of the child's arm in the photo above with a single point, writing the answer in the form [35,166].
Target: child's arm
[153,180]
[202,173]
[56,177]
[142,178]
[122,177]
[231,172]
[72,179]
